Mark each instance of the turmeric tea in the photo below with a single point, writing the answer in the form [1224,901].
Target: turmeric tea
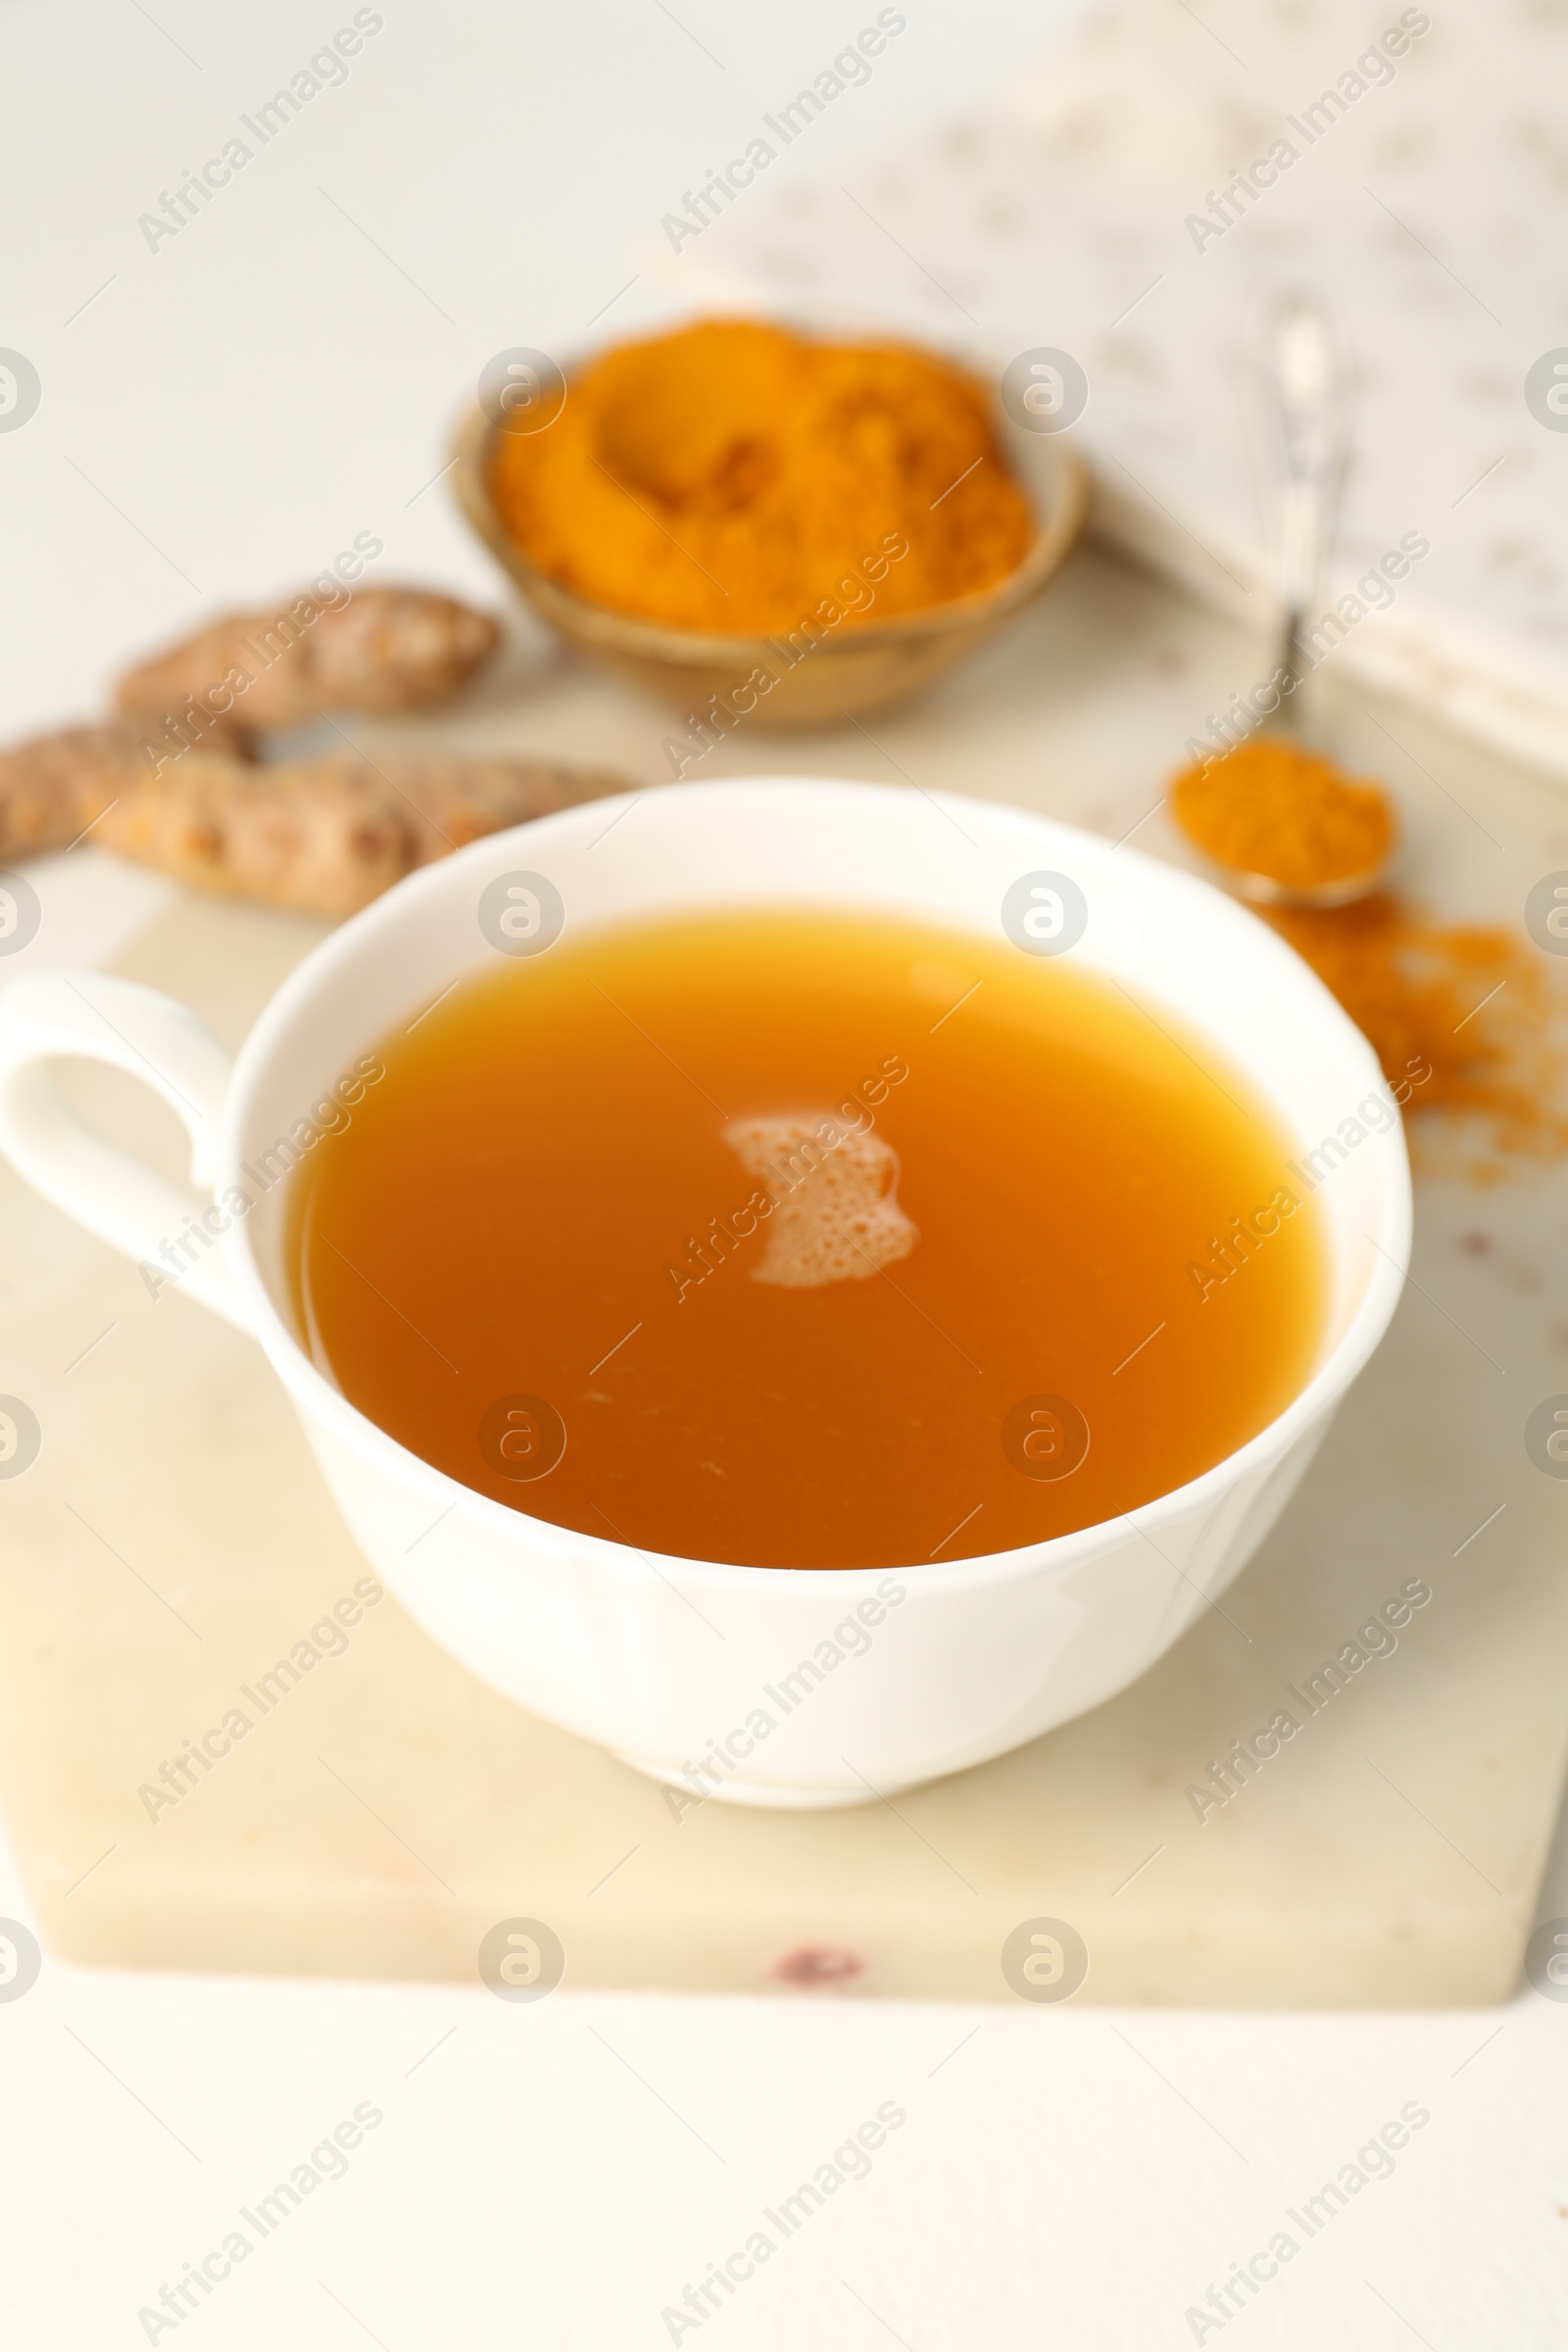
[729,476]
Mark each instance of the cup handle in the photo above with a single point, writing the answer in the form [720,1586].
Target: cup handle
[86,1016]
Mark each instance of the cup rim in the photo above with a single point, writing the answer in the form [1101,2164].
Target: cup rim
[325,1403]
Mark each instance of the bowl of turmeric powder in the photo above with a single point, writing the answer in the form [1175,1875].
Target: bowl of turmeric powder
[760,524]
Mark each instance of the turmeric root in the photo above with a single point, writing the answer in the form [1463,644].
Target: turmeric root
[382,649]
[327,836]
[53,789]
[322,835]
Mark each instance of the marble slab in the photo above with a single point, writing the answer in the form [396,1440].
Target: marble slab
[173,1540]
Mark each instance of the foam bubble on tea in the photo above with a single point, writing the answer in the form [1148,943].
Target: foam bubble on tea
[835,1214]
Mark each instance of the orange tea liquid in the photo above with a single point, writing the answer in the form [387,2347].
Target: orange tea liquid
[807,1240]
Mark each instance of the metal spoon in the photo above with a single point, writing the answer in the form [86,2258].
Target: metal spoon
[1302,378]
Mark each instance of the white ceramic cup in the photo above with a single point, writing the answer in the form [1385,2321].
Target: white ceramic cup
[869,1680]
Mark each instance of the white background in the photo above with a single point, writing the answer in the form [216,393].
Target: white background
[222,417]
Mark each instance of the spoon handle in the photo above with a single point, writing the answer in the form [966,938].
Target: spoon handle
[1303,383]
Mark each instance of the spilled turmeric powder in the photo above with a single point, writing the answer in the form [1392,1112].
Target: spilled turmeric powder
[1466,1018]
[1475,1002]
[729,476]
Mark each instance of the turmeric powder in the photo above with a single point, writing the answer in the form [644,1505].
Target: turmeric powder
[1465,1019]
[1274,809]
[1473,1003]
[732,476]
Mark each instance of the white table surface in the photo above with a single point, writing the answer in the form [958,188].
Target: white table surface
[224,413]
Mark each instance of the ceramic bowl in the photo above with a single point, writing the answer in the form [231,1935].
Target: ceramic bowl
[847,670]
